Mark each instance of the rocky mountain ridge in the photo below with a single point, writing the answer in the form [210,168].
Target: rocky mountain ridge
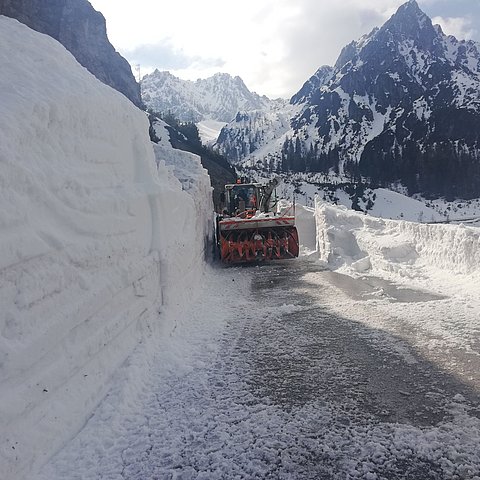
[218,98]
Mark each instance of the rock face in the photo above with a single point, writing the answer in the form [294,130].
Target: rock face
[312,86]
[82,31]
[218,97]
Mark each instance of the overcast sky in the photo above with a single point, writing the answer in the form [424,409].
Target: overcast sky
[274,45]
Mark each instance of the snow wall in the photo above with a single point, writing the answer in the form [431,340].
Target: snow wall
[306,228]
[360,243]
[97,238]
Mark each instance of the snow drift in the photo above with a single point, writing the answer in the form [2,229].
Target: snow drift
[437,255]
[94,237]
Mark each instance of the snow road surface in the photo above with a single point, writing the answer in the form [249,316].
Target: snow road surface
[291,371]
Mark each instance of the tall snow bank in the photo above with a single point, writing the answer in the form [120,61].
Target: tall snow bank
[191,233]
[433,255]
[305,223]
[92,239]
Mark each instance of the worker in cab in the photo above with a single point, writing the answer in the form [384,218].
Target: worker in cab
[252,200]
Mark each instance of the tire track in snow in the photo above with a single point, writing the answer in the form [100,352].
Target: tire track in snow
[267,383]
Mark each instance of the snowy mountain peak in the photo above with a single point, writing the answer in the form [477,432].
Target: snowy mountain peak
[162,73]
[410,10]
[411,22]
[217,98]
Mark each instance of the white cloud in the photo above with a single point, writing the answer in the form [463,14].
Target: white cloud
[313,35]
[165,56]
[274,45]
[457,26]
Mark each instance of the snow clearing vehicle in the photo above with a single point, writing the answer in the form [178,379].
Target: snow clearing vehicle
[248,230]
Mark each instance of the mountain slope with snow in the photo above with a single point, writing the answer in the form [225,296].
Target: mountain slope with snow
[252,130]
[401,105]
[217,98]
[97,240]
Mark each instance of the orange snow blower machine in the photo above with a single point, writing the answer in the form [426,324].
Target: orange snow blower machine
[248,230]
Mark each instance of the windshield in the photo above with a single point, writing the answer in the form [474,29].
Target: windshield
[242,194]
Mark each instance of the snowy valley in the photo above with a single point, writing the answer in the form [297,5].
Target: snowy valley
[126,352]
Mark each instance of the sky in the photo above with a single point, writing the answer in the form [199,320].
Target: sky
[273,45]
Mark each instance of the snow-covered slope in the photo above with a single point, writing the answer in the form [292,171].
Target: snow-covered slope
[208,130]
[216,98]
[252,131]
[94,239]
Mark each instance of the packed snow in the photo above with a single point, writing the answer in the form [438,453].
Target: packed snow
[96,242]
[407,252]
[195,405]
[241,387]
[209,130]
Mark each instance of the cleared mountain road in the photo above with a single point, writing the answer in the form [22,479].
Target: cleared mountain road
[289,371]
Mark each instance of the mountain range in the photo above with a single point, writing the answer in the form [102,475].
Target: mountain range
[400,106]
[218,98]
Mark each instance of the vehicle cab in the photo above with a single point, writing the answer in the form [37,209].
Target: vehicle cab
[242,197]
